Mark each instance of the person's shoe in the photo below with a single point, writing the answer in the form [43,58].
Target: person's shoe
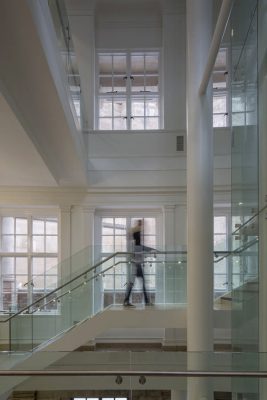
[149,304]
[128,304]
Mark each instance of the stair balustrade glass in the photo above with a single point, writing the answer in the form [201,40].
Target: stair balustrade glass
[85,295]
[238,375]
[245,184]
[92,289]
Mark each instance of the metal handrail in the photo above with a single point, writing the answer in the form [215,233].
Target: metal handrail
[249,220]
[142,373]
[93,268]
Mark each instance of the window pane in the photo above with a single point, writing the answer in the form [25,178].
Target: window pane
[7,265]
[119,84]
[105,124]
[7,225]
[149,226]
[219,120]
[105,107]
[220,282]
[20,281]
[51,244]
[150,281]
[152,64]
[8,243]
[120,281]
[120,243]
[220,242]
[138,107]
[152,123]
[107,244]
[51,282]
[105,84]
[22,265]
[105,64]
[238,104]
[107,221]
[38,244]
[21,243]
[120,124]
[107,231]
[152,83]
[51,227]
[51,265]
[138,83]
[21,225]
[119,108]
[152,107]
[137,123]
[38,282]
[37,226]
[108,282]
[119,64]
[137,64]
[238,119]
[219,104]
[22,300]
[219,224]
[220,267]
[221,59]
[38,264]
[219,80]
[150,241]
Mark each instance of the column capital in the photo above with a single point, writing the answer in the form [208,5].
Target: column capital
[88,209]
[168,207]
[65,209]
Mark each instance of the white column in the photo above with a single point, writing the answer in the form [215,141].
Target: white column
[65,240]
[199,195]
[83,254]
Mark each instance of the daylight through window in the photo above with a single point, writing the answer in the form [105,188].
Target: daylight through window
[128,93]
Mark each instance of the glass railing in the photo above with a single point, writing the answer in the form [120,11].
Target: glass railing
[66,47]
[87,290]
[85,295]
[236,373]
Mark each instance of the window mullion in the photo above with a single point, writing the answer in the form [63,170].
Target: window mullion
[128,90]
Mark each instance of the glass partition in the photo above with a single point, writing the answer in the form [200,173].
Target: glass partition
[67,51]
[245,201]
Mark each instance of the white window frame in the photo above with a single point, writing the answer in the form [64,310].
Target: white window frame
[128,214]
[129,95]
[29,254]
[223,92]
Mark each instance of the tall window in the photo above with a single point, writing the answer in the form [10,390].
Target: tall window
[128,91]
[220,90]
[114,231]
[29,252]
[221,273]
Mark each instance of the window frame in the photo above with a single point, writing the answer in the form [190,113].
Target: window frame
[222,92]
[129,95]
[128,214]
[30,255]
